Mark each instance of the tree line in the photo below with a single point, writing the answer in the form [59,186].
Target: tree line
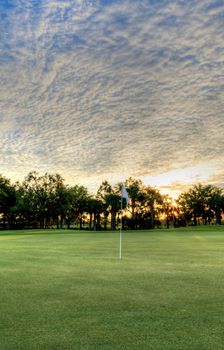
[45,201]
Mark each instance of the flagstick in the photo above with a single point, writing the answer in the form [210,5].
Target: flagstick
[121,232]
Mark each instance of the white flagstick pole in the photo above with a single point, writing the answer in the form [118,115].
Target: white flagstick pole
[121,232]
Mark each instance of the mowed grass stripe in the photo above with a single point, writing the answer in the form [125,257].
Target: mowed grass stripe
[69,290]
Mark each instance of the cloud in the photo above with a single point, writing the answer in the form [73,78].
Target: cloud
[96,89]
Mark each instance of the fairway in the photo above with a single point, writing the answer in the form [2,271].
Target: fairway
[68,290]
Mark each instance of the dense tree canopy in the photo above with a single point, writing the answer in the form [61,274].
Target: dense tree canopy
[45,201]
[201,204]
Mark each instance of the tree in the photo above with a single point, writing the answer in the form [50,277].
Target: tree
[167,209]
[77,204]
[216,203]
[145,204]
[7,199]
[154,201]
[201,203]
[110,197]
[60,204]
[104,190]
[134,189]
[40,198]
[114,205]
[94,208]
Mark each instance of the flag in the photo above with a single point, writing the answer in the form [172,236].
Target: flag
[124,193]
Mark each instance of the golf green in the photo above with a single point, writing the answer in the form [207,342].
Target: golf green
[69,290]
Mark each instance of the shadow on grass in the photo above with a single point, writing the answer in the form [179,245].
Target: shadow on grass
[190,229]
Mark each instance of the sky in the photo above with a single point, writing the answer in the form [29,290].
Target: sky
[103,89]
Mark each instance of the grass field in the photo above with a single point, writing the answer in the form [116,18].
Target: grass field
[68,290]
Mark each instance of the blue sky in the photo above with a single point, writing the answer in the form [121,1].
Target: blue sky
[108,89]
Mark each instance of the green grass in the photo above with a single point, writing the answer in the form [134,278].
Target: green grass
[68,290]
